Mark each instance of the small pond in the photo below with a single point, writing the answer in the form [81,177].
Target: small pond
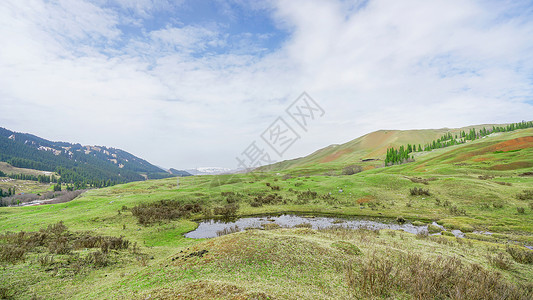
[212,228]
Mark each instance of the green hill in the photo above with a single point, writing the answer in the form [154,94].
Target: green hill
[368,150]
[126,241]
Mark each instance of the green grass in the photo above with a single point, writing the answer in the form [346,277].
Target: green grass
[291,263]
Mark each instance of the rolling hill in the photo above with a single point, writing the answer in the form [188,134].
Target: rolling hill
[476,207]
[369,149]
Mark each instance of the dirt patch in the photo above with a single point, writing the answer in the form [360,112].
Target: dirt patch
[514,144]
[335,155]
[366,168]
[512,166]
[421,180]
[526,174]
[365,199]
[480,159]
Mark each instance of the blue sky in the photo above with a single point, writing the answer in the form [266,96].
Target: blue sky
[188,84]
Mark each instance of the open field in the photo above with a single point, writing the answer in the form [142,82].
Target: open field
[472,187]
[24,186]
[9,169]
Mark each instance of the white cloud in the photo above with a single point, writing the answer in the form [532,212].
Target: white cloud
[188,38]
[182,96]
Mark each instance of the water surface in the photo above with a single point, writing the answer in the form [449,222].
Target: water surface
[209,228]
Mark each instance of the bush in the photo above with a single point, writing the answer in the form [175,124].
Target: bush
[227,211]
[498,204]
[304,225]
[500,261]
[306,195]
[525,195]
[454,210]
[162,210]
[228,230]
[419,192]
[98,258]
[351,170]
[521,210]
[521,254]
[268,199]
[270,226]
[422,180]
[434,228]
[11,253]
[57,239]
[428,278]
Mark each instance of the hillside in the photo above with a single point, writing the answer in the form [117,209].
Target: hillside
[127,241]
[369,148]
[75,163]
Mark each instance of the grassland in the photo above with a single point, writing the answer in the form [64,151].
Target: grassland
[472,187]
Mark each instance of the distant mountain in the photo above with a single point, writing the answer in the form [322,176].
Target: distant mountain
[97,165]
[209,171]
[369,147]
[180,173]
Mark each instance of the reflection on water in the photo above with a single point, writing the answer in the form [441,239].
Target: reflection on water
[209,228]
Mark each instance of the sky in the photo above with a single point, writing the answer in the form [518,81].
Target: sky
[197,83]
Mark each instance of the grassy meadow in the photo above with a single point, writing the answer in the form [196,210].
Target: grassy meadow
[126,241]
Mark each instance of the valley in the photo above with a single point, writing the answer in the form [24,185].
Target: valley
[481,188]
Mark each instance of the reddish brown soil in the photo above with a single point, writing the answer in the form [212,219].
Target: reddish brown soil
[480,159]
[512,166]
[365,199]
[514,144]
[334,156]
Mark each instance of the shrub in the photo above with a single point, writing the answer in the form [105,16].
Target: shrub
[498,204]
[433,228]
[11,253]
[429,278]
[351,170]
[270,226]
[500,261]
[419,192]
[227,211]
[521,210]
[306,195]
[268,199]
[149,213]
[454,210]
[98,258]
[228,230]
[59,245]
[45,260]
[57,239]
[520,254]
[304,225]
[525,195]
[422,180]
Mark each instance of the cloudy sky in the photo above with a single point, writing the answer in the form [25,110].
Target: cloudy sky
[193,83]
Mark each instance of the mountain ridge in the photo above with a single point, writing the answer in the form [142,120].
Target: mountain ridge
[74,162]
